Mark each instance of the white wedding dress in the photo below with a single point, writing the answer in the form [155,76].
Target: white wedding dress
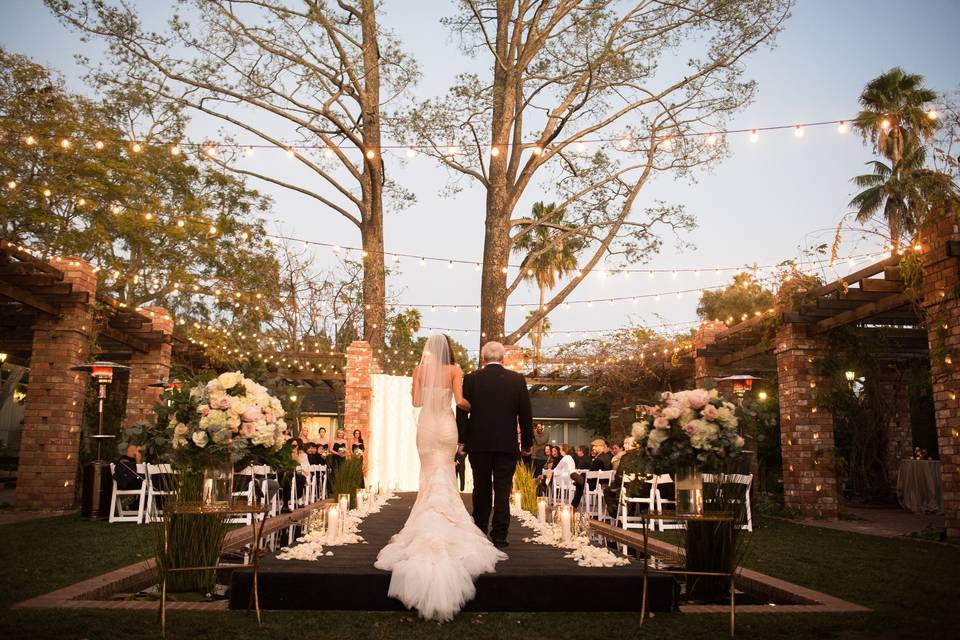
[440,551]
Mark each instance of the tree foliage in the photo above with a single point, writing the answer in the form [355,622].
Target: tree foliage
[156,225]
[739,301]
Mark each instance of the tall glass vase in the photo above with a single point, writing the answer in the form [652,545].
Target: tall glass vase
[689,486]
[217,487]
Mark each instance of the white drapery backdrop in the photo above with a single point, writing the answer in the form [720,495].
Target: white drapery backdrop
[392,459]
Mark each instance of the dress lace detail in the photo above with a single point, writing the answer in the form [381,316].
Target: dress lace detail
[440,551]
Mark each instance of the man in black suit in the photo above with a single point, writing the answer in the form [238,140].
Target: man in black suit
[602,461]
[499,401]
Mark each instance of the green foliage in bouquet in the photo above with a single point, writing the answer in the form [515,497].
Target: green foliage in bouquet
[349,478]
[526,484]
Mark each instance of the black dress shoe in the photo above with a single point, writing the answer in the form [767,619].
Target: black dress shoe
[500,544]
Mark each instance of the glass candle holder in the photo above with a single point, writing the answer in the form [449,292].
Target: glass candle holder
[564,518]
[517,500]
[362,505]
[343,501]
[334,524]
[542,510]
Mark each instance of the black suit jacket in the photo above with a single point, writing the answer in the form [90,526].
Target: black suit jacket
[499,400]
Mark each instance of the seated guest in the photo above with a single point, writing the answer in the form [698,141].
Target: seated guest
[628,444]
[565,466]
[313,454]
[554,455]
[616,450]
[356,447]
[601,461]
[581,458]
[126,475]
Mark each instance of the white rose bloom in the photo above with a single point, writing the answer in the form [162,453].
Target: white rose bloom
[229,379]
[180,429]
[200,438]
[714,394]
[639,430]
[671,413]
[237,405]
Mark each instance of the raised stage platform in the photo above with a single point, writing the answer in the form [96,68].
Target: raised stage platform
[534,578]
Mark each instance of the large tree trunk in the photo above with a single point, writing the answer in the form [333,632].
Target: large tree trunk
[374,280]
[496,244]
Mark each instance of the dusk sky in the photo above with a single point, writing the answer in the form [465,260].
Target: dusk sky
[762,204]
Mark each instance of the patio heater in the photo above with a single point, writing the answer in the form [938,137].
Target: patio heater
[741,383]
[95,494]
[169,385]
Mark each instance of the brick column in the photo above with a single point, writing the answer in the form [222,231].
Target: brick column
[149,368]
[705,368]
[50,445]
[513,357]
[941,302]
[358,391]
[806,431]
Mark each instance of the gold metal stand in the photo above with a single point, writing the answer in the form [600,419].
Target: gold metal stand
[221,512]
[687,518]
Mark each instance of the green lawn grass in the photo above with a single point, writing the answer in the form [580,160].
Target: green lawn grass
[912,587]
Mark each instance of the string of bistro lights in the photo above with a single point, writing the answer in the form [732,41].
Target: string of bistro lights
[623,141]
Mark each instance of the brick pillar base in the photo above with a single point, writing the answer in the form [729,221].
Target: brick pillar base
[358,391]
[149,368]
[513,357]
[806,431]
[941,301]
[50,445]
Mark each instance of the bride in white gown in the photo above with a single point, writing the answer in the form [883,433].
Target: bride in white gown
[440,551]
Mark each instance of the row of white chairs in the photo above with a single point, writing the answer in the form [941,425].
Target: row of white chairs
[593,504]
[654,501]
[157,481]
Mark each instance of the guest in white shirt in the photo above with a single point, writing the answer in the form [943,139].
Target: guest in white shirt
[566,466]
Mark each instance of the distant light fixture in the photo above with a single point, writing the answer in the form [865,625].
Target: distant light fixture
[761,396]
[850,375]
[572,404]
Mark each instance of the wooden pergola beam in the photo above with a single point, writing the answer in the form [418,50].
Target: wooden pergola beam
[23,296]
[864,311]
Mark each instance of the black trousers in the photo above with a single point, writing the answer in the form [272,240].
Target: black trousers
[492,481]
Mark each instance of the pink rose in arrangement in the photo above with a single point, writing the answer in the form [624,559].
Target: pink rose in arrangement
[223,403]
[247,429]
[204,410]
[252,414]
[698,398]
[710,412]
[268,416]
[661,423]
[651,411]
[690,428]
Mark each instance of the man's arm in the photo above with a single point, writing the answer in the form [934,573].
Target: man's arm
[525,417]
[463,417]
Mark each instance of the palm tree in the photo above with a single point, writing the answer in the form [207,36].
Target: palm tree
[550,252]
[895,113]
[906,192]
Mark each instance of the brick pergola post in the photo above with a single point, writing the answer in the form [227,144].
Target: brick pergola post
[704,368]
[358,391]
[149,368]
[806,430]
[941,302]
[50,445]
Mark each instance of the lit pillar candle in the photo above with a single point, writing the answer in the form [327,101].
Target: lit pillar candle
[517,500]
[344,501]
[333,524]
[541,510]
[362,500]
[566,514]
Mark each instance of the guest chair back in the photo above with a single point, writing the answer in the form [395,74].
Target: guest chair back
[117,511]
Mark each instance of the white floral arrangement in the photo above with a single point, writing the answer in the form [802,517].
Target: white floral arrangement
[693,428]
[231,417]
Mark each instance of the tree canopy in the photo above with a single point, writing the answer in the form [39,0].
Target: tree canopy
[739,301]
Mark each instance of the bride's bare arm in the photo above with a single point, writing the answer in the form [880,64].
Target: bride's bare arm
[462,402]
[417,400]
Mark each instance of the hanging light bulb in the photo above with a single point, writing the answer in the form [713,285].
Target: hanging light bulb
[798,131]
[885,124]
[754,136]
[494,151]
[842,127]
[371,154]
[30,140]
[12,184]
[290,153]
[711,139]
[933,114]
[65,143]
[98,145]
[411,152]
[136,147]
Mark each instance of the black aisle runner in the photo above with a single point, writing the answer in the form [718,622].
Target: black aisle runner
[534,578]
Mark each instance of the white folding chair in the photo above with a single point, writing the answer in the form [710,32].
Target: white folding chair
[160,479]
[593,498]
[663,480]
[117,512]
[316,483]
[746,522]
[624,519]
[245,495]
[562,489]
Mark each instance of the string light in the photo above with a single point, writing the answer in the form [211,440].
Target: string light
[136,147]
